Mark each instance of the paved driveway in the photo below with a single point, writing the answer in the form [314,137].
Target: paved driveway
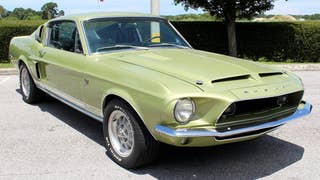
[52,141]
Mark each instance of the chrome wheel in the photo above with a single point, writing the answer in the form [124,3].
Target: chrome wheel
[25,82]
[120,133]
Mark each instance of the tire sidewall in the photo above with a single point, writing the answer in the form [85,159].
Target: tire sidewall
[138,147]
[24,96]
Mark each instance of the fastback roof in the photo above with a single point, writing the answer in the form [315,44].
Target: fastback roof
[86,16]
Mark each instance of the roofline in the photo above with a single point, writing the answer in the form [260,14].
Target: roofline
[96,15]
[154,17]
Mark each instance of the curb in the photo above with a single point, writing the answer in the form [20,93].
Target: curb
[300,67]
[8,71]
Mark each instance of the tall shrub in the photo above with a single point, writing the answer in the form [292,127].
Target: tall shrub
[276,41]
[10,29]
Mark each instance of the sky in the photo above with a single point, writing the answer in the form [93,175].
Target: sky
[167,7]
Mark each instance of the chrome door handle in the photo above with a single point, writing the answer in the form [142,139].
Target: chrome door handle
[42,53]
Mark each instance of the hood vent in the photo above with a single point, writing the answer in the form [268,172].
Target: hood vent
[270,74]
[231,78]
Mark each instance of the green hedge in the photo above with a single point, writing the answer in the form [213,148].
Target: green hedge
[277,41]
[9,29]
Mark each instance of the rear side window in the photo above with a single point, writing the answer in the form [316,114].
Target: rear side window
[40,32]
[64,35]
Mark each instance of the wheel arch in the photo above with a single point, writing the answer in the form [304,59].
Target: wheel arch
[31,66]
[129,100]
[22,61]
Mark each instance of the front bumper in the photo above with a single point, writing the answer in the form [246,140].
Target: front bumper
[227,135]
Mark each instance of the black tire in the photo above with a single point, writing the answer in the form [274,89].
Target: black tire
[35,94]
[145,148]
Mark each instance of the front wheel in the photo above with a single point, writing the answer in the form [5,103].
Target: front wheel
[127,140]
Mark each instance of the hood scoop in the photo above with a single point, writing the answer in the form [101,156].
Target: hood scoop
[270,74]
[234,78]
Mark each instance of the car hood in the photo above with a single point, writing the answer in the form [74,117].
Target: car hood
[193,65]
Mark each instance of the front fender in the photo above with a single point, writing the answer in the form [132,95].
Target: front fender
[133,99]
[122,94]
[29,64]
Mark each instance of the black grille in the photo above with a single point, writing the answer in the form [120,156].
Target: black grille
[252,106]
[258,108]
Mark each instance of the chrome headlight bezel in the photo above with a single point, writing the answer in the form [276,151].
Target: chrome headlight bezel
[178,109]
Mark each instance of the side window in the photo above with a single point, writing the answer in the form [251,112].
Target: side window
[39,35]
[78,46]
[42,34]
[64,35]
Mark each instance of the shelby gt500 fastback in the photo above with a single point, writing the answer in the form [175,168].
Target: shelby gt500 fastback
[137,75]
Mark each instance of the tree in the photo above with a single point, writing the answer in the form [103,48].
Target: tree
[19,13]
[229,11]
[2,11]
[49,10]
[61,13]
[23,14]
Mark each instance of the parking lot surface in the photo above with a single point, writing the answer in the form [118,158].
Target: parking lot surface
[52,141]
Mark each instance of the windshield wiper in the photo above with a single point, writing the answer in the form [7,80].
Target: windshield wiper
[168,44]
[119,46]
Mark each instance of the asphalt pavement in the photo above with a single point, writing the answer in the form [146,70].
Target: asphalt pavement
[53,141]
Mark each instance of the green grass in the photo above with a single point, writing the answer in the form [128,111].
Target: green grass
[6,65]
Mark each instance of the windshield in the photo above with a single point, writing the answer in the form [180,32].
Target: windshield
[111,34]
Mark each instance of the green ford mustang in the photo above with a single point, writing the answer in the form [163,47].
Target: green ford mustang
[141,78]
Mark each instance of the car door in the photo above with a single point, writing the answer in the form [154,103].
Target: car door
[63,61]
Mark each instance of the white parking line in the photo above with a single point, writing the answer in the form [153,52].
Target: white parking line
[4,80]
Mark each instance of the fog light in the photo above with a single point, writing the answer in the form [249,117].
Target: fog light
[282,100]
[184,141]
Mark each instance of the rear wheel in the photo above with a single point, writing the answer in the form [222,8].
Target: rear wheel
[127,140]
[30,93]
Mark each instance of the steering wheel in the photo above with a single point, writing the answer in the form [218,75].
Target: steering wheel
[148,40]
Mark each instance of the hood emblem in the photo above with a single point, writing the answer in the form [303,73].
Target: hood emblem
[199,82]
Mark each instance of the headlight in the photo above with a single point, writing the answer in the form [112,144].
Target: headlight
[184,110]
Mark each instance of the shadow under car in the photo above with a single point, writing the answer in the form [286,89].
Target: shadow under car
[243,160]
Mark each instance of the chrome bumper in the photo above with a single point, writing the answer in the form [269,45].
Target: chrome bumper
[184,133]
